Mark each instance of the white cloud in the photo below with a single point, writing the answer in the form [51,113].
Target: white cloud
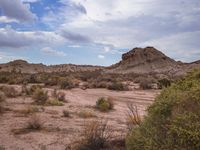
[6,57]
[101,56]
[183,46]
[4,19]
[17,10]
[30,1]
[50,51]
[15,39]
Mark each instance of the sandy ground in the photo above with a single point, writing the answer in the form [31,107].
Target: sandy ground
[60,131]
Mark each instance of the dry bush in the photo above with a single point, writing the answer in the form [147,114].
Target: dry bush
[2,96]
[29,110]
[40,96]
[118,86]
[133,117]
[34,123]
[54,102]
[9,91]
[59,95]
[66,113]
[66,83]
[96,136]
[86,114]
[105,104]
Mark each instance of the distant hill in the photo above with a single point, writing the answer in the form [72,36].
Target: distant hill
[25,67]
[150,60]
[138,60]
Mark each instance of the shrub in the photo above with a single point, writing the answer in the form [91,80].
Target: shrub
[163,83]
[86,114]
[34,123]
[66,113]
[117,86]
[173,120]
[104,104]
[133,117]
[2,96]
[145,84]
[54,102]
[66,83]
[40,96]
[96,136]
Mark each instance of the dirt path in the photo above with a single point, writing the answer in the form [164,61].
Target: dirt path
[59,131]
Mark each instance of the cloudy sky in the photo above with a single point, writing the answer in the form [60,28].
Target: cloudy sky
[97,31]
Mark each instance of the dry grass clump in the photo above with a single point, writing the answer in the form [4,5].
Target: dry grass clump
[29,110]
[133,117]
[105,104]
[34,123]
[86,114]
[40,96]
[54,102]
[2,97]
[95,136]
[66,113]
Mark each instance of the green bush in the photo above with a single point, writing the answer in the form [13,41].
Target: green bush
[173,121]
[105,104]
[163,83]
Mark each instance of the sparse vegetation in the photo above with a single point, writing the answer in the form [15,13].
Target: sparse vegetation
[66,83]
[34,123]
[96,136]
[173,120]
[86,114]
[29,110]
[2,96]
[9,91]
[40,96]
[59,96]
[66,113]
[133,117]
[118,86]
[105,104]
[54,102]
[163,83]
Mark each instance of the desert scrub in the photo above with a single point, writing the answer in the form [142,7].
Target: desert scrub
[40,96]
[105,104]
[66,113]
[2,97]
[54,102]
[163,83]
[173,120]
[118,86]
[86,114]
[95,136]
[59,95]
[34,123]
[29,110]
[132,116]
[9,91]
[66,83]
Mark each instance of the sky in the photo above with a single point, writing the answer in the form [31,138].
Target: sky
[97,32]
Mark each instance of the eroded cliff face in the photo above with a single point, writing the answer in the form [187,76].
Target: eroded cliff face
[144,60]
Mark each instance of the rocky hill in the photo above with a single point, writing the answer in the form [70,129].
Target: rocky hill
[138,60]
[25,67]
[150,60]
